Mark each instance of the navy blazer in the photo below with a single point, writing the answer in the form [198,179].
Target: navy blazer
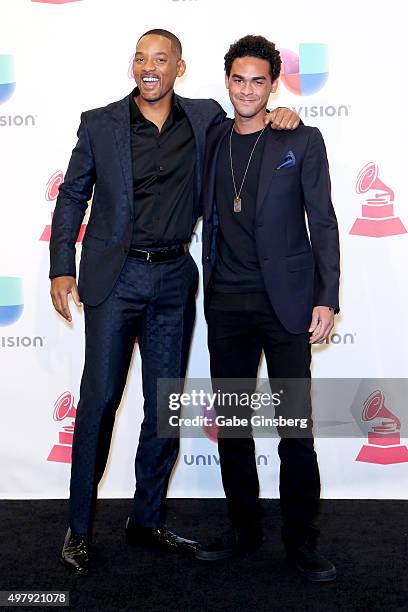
[299,271]
[101,163]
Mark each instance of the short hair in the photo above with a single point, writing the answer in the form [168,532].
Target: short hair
[169,35]
[254,46]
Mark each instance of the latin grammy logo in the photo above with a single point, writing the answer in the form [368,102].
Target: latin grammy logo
[210,428]
[384,437]
[377,218]
[51,194]
[64,409]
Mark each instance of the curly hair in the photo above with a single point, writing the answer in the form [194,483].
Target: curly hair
[254,46]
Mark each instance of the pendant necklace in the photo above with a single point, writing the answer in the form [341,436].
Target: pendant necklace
[237,199]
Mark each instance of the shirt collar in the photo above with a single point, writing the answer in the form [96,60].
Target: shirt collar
[135,113]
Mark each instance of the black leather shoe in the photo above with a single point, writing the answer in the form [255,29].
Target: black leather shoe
[157,537]
[231,543]
[75,552]
[309,562]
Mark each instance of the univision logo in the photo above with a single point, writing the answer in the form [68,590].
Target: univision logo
[212,459]
[347,338]
[11,300]
[306,73]
[7,77]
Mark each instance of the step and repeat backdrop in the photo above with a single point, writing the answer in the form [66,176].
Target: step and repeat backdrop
[344,72]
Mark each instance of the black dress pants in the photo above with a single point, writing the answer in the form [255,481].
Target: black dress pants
[240,326]
[156,303]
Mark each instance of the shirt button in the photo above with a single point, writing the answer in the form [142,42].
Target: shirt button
[161,168]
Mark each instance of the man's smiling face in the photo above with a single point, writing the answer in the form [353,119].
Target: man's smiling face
[250,85]
[156,67]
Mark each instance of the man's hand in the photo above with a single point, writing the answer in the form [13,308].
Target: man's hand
[61,286]
[282,119]
[322,323]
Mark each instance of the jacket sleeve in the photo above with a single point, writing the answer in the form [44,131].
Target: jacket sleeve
[220,114]
[72,202]
[322,222]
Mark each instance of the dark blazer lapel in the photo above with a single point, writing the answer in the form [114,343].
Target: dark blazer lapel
[120,116]
[199,139]
[273,154]
[213,147]
[194,119]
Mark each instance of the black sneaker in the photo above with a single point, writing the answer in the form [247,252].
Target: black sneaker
[309,562]
[231,543]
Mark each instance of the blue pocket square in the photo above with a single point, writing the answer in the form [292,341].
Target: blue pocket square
[288,162]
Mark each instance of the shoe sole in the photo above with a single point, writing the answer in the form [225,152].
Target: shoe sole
[203,555]
[213,556]
[73,569]
[328,576]
[164,548]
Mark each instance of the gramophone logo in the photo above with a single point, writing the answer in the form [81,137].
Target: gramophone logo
[51,194]
[377,217]
[306,73]
[210,429]
[130,68]
[54,1]
[64,410]
[384,439]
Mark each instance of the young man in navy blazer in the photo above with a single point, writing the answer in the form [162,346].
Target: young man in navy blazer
[141,158]
[268,285]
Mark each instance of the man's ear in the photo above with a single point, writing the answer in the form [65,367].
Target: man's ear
[181,67]
[226,81]
[275,85]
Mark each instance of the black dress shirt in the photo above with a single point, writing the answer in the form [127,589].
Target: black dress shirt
[163,178]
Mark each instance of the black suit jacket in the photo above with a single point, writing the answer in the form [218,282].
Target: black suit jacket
[299,271]
[101,163]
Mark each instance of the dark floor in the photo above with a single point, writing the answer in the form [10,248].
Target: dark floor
[366,539]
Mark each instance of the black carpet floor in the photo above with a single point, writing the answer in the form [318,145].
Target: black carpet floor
[367,541]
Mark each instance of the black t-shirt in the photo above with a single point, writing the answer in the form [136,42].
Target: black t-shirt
[237,267]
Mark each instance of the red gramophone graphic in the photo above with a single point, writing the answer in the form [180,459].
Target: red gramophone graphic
[211,428]
[130,68]
[64,409]
[384,438]
[377,218]
[51,194]
[54,1]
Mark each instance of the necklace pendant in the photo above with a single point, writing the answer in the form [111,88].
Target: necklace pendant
[237,205]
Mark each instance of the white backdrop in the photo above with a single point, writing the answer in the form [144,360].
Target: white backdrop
[65,57]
